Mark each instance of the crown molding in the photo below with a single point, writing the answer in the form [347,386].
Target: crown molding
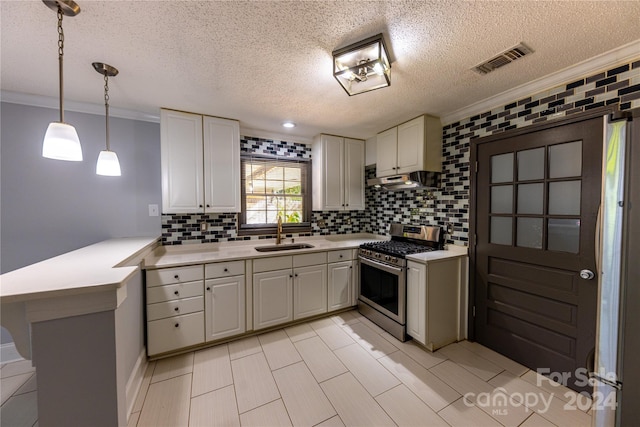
[623,54]
[75,106]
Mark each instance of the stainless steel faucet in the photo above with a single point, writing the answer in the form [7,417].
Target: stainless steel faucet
[279,233]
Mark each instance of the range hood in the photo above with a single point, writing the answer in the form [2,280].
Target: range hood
[419,179]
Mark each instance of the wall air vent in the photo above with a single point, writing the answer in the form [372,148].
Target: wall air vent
[503,59]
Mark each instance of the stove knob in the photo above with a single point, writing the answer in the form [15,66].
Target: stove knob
[394,260]
[378,255]
[387,257]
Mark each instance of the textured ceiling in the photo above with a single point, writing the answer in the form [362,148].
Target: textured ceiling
[264,62]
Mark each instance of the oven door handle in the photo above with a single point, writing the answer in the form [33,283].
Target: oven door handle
[381,266]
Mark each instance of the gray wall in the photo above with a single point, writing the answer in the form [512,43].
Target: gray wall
[50,207]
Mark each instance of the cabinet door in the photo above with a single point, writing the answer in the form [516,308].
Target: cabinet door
[354,174]
[181,161]
[333,168]
[340,285]
[224,307]
[309,291]
[221,165]
[386,152]
[417,301]
[272,298]
[411,145]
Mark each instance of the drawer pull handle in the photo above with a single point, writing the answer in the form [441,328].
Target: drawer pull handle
[208,288]
[340,255]
[176,277]
[177,309]
[176,293]
[226,270]
[177,325]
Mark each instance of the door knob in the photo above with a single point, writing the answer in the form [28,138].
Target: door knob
[587,274]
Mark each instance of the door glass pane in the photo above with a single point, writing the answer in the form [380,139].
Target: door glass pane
[564,198]
[502,199]
[501,230]
[565,160]
[531,164]
[563,235]
[529,232]
[502,168]
[530,198]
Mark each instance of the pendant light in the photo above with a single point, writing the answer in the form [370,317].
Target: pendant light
[61,140]
[108,163]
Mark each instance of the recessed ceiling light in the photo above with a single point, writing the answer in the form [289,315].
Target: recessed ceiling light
[289,124]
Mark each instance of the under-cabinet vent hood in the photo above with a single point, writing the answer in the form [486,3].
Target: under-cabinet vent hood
[419,179]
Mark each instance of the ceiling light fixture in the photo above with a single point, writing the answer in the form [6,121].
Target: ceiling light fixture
[289,124]
[362,66]
[108,163]
[61,140]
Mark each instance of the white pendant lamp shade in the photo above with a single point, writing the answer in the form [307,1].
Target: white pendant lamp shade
[61,142]
[108,164]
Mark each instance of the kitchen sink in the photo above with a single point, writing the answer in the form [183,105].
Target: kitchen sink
[283,247]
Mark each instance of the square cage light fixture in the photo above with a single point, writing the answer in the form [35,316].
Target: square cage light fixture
[362,66]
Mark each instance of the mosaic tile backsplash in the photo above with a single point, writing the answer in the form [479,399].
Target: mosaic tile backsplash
[447,206]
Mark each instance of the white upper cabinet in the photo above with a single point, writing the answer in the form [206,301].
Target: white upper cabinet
[412,146]
[338,173]
[182,166]
[200,163]
[221,165]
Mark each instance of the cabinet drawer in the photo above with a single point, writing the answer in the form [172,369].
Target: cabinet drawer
[174,292]
[178,307]
[309,259]
[224,269]
[167,276]
[175,332]
[341,255]
[272,263]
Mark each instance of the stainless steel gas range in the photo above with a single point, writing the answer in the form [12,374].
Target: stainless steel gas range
[383,281]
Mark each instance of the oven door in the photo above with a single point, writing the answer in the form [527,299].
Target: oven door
[383,287]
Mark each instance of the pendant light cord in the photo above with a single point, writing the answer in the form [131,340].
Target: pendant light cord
[60,60]
[106,107]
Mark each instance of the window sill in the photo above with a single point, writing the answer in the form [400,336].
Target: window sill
[272,230]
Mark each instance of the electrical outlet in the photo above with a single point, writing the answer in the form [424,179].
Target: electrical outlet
[153,210]
[415,211]
[204,226]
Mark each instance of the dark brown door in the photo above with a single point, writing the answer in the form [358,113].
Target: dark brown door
[536,201]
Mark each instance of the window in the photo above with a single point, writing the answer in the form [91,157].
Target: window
[273,188]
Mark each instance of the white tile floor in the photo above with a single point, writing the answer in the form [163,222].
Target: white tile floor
[336,371]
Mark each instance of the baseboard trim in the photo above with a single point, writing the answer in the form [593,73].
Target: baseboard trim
[135,381]
[8,353]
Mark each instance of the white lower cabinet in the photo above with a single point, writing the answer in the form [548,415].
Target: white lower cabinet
[340,285]
[175,332]
[433,302]
[224,307]
[309,291]
[272,298]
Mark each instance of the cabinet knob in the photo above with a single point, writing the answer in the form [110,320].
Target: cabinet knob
[291,275]
[176,293]
[176,309]
[177,325]
[340,255]
[296,274]
[176,277]
[199,206]
[226,270]
[208,288]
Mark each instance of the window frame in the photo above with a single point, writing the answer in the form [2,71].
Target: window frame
[245,229]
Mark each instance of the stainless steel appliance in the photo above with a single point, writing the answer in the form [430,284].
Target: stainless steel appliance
[383,282]
[617,338]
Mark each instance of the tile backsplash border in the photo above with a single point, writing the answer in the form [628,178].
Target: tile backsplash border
[448,205]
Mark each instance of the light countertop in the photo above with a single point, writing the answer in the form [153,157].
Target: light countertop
[97,267]
[173,256]
[451,251]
